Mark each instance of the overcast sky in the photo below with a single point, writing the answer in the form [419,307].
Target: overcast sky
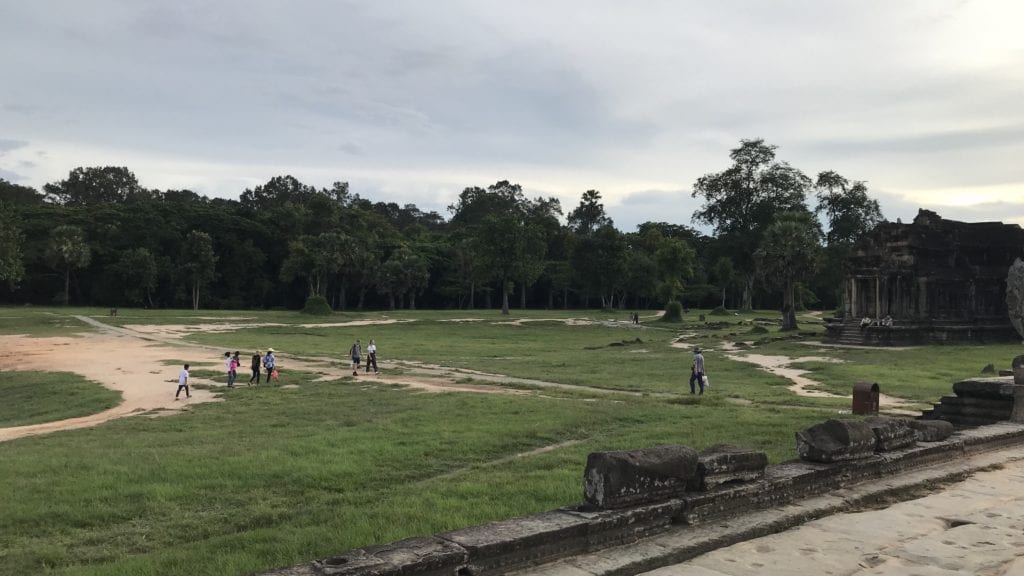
[412,101]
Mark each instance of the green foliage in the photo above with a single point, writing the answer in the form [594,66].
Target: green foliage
[673,312]
[790,250]
[198,262]
[11,267]
[719,311]
[317,306]
[36,397]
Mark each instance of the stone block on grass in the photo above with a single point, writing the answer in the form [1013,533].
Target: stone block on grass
[631,477]
[724,463]
[931,430]
[891,433]
[836,441]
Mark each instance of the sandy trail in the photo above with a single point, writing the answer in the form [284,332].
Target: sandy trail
[179,331]
[803,386]
[133,363]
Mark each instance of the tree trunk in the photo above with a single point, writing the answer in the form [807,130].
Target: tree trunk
[723,298]
[504,298]
[551,298]
[67,285]
[342,296]
[195,295]
[472,295]
[391,301]
[412,300]
[748,289]
[788,309]
[362,298]
[565,298]
[522,297]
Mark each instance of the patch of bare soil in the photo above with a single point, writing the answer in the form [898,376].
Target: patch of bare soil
[803,386]
[129,365]
[178,331]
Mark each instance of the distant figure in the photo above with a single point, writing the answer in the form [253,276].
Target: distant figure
[865,322]
[697,371]
[887,321]
[183,383]
[230,368]
[236,363]
[356,352]
[371,356]
[269,363]
[257,358]
[113,312]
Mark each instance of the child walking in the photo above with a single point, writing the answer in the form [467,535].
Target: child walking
[371,356]
[183,383]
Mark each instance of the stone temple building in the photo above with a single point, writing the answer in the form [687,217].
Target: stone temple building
[938,280]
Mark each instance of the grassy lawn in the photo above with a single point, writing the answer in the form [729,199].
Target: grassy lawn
[36,397]
[278,476]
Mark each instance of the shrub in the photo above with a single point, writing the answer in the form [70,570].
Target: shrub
[317,306]
[719,311]
[758,330]
[673,312]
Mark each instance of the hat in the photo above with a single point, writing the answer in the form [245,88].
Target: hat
[270,349]
[696,349]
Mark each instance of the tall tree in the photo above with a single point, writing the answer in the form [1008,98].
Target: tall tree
[12,269]
[790,250]
[95,186]
[316,258]
[744,199]
[68,251]
[589,215]
[198,262]
[137,269]
[849,213]
[725,275]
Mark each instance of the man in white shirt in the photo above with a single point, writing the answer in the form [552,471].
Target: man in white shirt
[183,383]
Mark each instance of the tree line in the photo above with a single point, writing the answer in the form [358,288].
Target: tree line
[99,238]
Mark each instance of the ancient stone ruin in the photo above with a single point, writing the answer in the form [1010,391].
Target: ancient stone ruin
[933,280]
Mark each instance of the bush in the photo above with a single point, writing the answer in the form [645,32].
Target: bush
[673,312]
[317,306]
[758,330]
[719,311]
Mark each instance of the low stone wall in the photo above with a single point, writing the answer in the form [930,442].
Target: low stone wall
[501,547]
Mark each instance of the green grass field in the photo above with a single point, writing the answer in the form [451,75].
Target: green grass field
[278,476]
[36,397]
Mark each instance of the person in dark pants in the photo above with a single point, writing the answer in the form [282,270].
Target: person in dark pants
[697,371]
[371,356]
[230,369]
[257,358]
[356,352]
[183,383]
[269,362]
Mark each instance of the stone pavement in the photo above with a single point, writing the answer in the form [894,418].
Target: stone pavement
[971,527]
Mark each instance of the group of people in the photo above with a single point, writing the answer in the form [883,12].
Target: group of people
[356,354]
[231,364]
[867,321]
[259,361]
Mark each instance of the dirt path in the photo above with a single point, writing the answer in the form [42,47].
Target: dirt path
[803,386]
[133,363]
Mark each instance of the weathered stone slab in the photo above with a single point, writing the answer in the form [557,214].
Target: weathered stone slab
[997,388]
[724,463]
[631,477]
[625,525]
[1015,296]
[1018,370]
[931,430]
[521,541]
[891,433]
[421,556]
[835,441]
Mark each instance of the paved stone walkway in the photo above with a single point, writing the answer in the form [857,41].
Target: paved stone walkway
[971,527]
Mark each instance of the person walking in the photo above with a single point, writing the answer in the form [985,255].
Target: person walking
[697,371]
[356,352]
[257,358]
[269,362]
[371,356]
[183,383]
[236,363]
[230,370]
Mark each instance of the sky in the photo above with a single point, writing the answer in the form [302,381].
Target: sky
[413,101]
